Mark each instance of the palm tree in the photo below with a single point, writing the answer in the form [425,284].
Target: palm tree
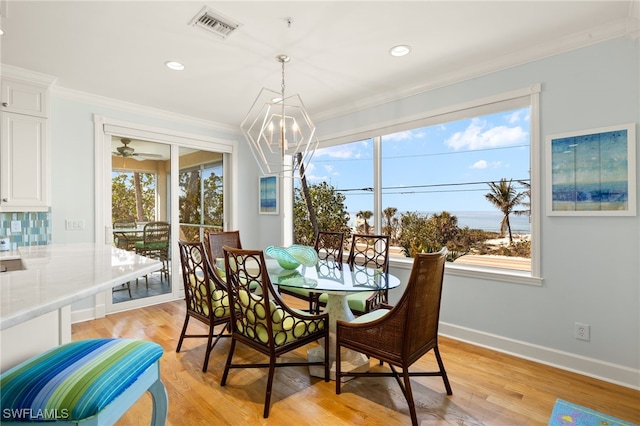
[365,215]
[526,204]
[503,195]
[389,213]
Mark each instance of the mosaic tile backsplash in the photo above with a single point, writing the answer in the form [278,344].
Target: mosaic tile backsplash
[35,228]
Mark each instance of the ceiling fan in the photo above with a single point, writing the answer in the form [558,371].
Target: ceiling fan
[126,151]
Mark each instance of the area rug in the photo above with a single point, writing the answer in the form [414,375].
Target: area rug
[567,414]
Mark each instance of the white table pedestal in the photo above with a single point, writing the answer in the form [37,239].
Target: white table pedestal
[338,309]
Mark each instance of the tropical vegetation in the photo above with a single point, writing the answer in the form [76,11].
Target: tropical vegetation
[413,232]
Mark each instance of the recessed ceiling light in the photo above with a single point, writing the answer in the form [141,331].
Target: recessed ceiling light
[400,50]
[173,65]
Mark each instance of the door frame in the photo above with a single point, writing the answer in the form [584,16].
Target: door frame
[104,129]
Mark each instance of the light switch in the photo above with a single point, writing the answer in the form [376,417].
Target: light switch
[16,226]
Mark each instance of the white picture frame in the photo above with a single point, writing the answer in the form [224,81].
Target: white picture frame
[268,195]
[592,172]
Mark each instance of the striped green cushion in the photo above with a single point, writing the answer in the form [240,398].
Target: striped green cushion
[76,380]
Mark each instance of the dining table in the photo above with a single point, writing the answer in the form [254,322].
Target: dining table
[337,280]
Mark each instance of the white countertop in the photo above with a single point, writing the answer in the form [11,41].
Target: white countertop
[58,275]
[9,255]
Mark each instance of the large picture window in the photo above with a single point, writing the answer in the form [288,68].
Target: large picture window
[461,179]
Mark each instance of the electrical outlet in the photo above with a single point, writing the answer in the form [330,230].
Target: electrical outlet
[16,226]
[582,331]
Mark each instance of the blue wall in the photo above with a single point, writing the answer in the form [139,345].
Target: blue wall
[589,265]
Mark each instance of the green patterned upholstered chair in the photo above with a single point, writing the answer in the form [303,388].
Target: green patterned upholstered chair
[88,382]
[205,295]
[263,322]
[371,251]
[328,246]
[402,334]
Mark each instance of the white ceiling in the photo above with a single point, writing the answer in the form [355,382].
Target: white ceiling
[339,50]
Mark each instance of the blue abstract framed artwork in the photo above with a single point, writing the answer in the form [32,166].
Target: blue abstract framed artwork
[268,202]
[592,172]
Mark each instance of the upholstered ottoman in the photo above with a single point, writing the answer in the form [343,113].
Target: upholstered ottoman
[89,382]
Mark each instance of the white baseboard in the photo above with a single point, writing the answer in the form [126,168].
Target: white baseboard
[590,367]
[83,315]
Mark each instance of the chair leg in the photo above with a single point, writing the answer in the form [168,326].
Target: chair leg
[223,381]
[267,399]
[207,353]
[445,379]
[409,395]
[338,369]
[160,401]
[184,330]
[326,359]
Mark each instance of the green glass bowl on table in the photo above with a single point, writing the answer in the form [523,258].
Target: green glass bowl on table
[293,256]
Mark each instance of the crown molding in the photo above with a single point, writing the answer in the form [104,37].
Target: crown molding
[454,73]
[9,71]
[79,96]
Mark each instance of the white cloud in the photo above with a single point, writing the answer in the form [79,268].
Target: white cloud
[483,164]
[514,117]
[330,170]
[400,136]
[480,135]
[338,151]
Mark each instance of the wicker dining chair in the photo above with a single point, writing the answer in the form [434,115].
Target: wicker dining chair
[219,239]
[206,297]
[329,246]
[371,251]
[402,334]
[263,322]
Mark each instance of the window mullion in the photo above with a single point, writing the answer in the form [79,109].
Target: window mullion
[377,184]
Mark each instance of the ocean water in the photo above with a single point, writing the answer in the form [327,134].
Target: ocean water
[485,220]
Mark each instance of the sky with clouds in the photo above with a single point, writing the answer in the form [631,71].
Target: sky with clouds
[431,169]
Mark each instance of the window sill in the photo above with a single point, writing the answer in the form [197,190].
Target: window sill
[478,272]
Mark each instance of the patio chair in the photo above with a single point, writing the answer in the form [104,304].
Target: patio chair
[329,246]
[402,334]
[206,297]
[155,244]
[124,240]
[263,322]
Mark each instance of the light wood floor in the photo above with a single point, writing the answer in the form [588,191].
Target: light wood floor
[489,388]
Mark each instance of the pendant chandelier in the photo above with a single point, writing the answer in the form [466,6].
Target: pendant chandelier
[279,131]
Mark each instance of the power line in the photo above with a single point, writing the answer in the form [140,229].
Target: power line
[436,185]
[435,154]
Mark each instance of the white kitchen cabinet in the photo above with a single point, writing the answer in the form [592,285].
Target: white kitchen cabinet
[24,147]
[25,98]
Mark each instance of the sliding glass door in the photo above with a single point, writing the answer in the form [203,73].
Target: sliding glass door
[201,193]
[140,206]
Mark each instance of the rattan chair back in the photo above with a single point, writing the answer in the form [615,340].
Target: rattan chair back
[206,298]
[217,240]
[369,250]
[330,245]
[262,320]
[406,332]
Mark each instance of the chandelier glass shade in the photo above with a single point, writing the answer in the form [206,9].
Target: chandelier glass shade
[279,131]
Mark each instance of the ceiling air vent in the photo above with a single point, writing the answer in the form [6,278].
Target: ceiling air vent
[214,22]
